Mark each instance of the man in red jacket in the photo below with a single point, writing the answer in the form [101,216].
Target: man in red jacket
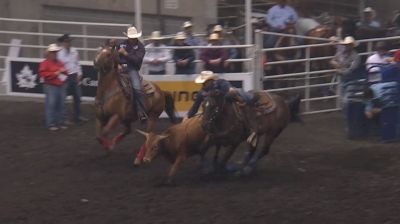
[54,75]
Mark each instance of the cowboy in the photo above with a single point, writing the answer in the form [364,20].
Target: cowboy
[131,53]
[69,56]
[376,61]
[156,57]
[346,60]
[190,40]
[368,20]
[277,18]
[214,59]
[183,57]
[54,74]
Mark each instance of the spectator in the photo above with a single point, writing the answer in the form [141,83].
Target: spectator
[227,40]
[69,56]
[54,74]
[391,73]
[131,53]
[376,61]
[156,58]
[183,57]
[214,59]
[368,21]
[190,40]
[346,60]
[277,18]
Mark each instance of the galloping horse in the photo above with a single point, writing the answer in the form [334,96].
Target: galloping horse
[115,100]
[225,123]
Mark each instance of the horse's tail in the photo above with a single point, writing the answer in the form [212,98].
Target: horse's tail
[170,107]
[294,108]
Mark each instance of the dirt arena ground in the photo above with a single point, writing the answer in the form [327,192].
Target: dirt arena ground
[313,175]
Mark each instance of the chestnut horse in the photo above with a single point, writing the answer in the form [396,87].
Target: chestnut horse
[115,106]
[225,122]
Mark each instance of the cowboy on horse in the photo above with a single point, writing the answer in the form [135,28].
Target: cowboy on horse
[131,52]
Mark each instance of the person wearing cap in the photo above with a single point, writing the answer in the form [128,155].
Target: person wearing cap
[69,56]
[214,59]
[277,18]
[368,21]
[346,60]
[391,73]
[226,38]
[376,61]
[131,53]
[183,58]
[156,57]
[190,40]
[54,75]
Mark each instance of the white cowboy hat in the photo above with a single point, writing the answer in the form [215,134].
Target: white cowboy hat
[187,24]
[218,28]
[349,40]
[368,9]
[132,32]
[53,47]
[155,35]
[205,76]
[213,36]
[180,36]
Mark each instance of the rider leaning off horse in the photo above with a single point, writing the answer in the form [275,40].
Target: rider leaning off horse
[131,53]
[211,82]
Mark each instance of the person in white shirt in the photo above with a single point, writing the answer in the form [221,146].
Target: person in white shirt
[277,18]
[69,56]
[156,58]
[376,61]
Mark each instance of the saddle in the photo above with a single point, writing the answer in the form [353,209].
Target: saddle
[148,87]
[263,103]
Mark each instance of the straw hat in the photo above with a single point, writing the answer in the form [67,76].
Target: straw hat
[133,33]
[368,9]
[53,48]
[218,28]
[349,40]
[205,76]
[214,36]
[187,24]
[180,36]
[155,35]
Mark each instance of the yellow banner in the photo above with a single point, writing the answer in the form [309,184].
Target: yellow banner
[183,92]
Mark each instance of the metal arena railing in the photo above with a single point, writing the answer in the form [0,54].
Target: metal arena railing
[308,76]
[253,61]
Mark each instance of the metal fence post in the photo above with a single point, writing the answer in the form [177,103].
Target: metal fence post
[307,80]
[41,42]
[258,61]
[339,92]
[369,48]
[85,43]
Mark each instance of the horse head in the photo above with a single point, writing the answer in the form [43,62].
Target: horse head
[152,145]
[212,109]
[106,60]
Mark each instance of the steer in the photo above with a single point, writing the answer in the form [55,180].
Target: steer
[177,143]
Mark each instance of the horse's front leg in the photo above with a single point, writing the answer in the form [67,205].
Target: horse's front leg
[120,136]
[228,154]
[105,130]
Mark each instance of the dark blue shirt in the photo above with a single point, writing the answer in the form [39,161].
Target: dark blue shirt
[135,56]
[220,84]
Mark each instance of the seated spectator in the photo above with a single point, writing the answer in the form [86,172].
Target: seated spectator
[346,60]
[214,59]
[183,57]
[376,61]
[156,58]
[368,22]
[54,74]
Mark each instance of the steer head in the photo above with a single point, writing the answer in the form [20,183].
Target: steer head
[152,145]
